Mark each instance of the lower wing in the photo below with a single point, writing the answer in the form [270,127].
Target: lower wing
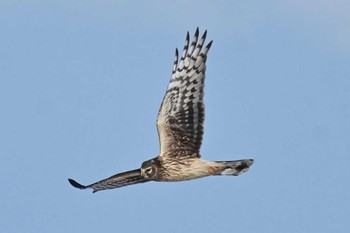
[116,181]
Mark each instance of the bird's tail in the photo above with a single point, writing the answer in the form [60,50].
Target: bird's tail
[234,168]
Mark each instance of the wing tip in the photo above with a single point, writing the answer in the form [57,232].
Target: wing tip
[205,34]
[196,34]
[76,184]
[209,44]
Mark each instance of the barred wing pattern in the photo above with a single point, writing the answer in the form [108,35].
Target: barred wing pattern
[180,128]
[116,181]
[181,115]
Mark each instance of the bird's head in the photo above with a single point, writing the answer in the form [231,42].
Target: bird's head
[150,168]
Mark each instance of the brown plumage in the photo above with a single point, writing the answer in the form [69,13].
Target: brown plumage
[180,128]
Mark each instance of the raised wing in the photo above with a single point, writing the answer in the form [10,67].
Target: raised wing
[116,181]
[181,115]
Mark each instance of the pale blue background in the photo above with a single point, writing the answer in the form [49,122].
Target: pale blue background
[80,87]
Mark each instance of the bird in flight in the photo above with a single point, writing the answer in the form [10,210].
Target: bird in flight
[180,128]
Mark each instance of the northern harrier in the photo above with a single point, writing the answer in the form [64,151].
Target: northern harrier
[180,128]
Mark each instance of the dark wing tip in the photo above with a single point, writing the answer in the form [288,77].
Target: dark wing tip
[196,33]
[205,34]
[209,45]
[76,184]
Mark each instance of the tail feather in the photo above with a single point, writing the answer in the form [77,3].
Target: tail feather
[235,168]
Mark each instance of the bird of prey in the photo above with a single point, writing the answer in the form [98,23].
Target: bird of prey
[180,128]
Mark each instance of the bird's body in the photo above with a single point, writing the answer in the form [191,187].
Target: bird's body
[189,168]
[180,129]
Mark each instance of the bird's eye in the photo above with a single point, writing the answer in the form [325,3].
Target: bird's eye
[149,170]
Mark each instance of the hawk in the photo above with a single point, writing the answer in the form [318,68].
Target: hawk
[180,128]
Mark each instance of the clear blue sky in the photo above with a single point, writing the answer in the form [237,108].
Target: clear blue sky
[80,87]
